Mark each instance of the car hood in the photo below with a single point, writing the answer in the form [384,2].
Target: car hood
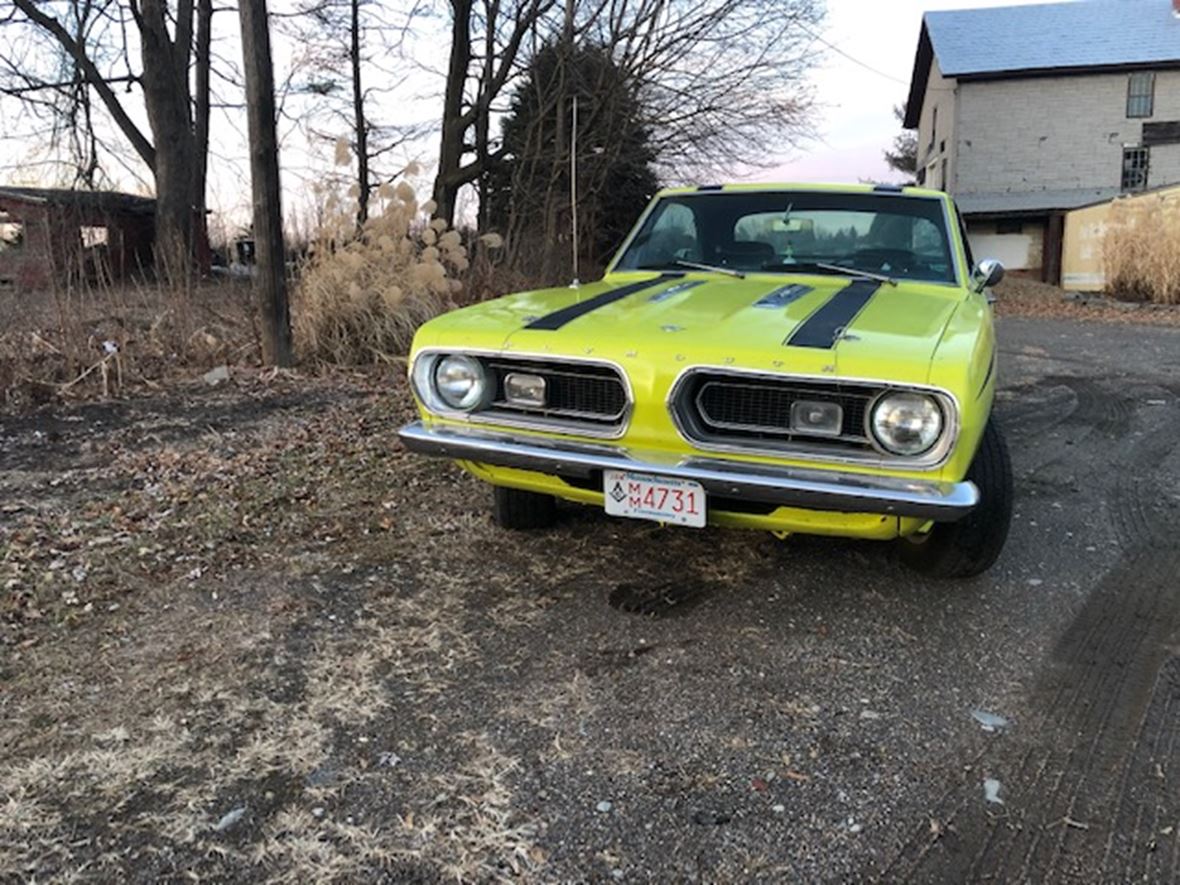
[818,325]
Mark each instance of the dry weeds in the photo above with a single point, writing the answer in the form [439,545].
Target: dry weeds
[360,298]
[1141,249]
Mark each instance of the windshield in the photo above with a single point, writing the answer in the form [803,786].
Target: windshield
[795,232]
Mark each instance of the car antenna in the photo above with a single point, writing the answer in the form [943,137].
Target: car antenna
[574,188]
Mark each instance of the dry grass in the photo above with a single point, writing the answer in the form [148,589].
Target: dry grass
[360,298]
[1141,249]
[86,340]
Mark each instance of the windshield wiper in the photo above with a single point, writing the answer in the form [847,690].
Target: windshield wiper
[676,262]
[831,268]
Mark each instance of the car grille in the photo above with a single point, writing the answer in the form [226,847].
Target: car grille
[750,411]
[578,396]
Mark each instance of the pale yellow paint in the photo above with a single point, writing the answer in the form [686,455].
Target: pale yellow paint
[1082,266]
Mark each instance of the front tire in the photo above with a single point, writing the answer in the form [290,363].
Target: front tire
[516,509]
[972,545]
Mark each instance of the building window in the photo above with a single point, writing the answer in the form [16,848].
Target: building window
[93,237]
[1140,94]
[1009,227]
[12,233]
[933,127]
[1135,164]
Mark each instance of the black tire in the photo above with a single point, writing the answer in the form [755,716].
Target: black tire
[971,545]
[515,509]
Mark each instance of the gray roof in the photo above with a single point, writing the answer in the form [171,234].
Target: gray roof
[1087,33]
[102,201]
[1025,202]
[1007,41]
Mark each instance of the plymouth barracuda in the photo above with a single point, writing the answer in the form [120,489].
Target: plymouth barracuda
[813,359]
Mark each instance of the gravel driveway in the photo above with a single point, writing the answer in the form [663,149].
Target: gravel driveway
[297,653]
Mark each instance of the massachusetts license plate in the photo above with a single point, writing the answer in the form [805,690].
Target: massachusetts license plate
[658,498]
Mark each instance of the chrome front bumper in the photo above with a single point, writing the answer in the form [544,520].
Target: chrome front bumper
[785,486]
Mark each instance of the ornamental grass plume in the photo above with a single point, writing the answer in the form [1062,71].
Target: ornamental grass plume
[360,296]
[1141,248]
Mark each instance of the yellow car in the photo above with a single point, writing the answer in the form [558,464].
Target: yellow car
[814,359]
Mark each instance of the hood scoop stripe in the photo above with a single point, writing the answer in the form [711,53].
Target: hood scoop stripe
[782,296]
[557,319]
[675,290]
[824,327]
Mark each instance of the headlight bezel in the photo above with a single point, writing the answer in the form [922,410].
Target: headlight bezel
[424,378]
[944,428]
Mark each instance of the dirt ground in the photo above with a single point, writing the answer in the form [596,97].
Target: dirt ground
[243,636]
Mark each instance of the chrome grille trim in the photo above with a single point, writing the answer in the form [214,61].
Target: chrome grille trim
[853,428]
[572,421]
[854,446]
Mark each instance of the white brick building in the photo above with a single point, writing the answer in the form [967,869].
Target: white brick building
[1025,112]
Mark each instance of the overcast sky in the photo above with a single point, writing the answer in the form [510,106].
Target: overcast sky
[856,113]
[868,52]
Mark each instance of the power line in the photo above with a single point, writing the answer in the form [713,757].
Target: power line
[851,58]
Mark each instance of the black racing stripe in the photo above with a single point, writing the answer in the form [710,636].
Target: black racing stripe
[559,318]
[823,327]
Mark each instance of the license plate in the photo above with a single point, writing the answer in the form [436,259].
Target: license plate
[658,498]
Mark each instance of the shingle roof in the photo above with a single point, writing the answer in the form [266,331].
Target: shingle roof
[1015,40]
[1088,33]
[105,201]
[1004,203]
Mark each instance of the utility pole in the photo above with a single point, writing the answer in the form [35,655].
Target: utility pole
[270,280]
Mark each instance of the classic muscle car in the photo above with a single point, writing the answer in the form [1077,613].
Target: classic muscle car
[814,359]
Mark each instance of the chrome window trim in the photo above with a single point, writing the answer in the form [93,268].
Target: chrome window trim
[936,457]
[548,426]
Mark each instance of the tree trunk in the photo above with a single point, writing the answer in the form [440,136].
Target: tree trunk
[166,98]
[202,62]
[450,154]
[270,281]
[360,125]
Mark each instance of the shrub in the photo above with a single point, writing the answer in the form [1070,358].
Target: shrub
[360,297]
[1141,248]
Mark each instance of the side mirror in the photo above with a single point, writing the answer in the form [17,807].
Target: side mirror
[987,273]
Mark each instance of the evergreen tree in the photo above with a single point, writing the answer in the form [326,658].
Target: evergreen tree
[528,194]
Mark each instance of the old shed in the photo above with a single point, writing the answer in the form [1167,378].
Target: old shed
[57,235]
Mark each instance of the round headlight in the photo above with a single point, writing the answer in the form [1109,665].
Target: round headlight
[460,382]
[907,423]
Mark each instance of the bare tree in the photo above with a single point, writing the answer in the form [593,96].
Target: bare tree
[487,37]
[94,41]
[351,42]
[722,83]
[270,282]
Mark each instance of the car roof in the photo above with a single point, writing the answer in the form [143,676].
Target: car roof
[775,187]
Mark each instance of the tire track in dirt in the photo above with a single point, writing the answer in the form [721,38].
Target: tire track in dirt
[1092,782]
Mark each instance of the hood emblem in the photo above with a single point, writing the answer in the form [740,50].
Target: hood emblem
[671,328]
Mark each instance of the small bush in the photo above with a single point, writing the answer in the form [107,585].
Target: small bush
[360,298]
[1141,249]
